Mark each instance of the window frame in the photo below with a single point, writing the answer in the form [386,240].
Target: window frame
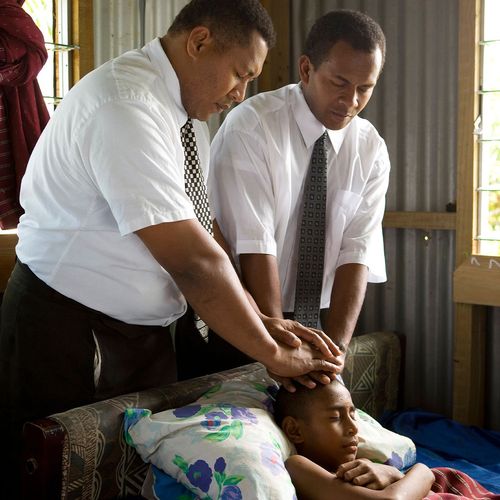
[476,276]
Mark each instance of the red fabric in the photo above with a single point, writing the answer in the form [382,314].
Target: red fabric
[23,113]
[451,484]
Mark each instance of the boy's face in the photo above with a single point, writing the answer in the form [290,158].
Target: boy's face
[328,430]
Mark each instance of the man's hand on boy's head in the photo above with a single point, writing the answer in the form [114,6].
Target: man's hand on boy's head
[292,333]
[310,380]
[363,472]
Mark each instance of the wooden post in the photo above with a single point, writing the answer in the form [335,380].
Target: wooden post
[82,28]
[276,69]
[469,346]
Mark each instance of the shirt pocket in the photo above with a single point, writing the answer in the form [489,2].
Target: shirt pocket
[345,204]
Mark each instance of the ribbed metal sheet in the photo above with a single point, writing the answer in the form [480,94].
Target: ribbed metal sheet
[121,25]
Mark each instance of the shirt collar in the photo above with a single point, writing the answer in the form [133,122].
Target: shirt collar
[159,59]
[309,126]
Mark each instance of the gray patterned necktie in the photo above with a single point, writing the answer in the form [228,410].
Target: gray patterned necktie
[312,240]
[197,192]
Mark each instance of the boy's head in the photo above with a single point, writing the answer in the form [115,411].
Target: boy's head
[319,422]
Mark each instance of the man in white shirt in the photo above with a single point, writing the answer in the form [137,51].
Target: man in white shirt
[259,160]
[110,248]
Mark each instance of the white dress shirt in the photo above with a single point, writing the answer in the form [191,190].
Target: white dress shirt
[109,163]
[259,160]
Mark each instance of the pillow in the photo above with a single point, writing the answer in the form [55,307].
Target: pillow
[382,445]
[160,486]
[227,445]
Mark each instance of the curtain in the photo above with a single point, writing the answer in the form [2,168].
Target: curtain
[23,113]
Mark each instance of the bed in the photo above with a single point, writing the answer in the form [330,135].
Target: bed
[82,453]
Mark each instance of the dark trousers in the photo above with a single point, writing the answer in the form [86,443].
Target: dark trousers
[47,350]
[195,357]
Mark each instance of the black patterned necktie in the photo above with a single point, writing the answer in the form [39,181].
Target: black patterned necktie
[311,251]
[197,192]
[193,177]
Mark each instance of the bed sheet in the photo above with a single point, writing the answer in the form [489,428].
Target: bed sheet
[443,442]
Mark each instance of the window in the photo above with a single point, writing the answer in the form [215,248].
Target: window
[488,130]
[53,19]
[65,65]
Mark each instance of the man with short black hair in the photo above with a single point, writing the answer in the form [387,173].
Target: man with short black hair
[260,172]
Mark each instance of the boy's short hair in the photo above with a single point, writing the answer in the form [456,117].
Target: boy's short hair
[230,21]
[296,404]
[359,30]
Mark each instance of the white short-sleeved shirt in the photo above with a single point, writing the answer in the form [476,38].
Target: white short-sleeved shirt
[259,160]
[109,163]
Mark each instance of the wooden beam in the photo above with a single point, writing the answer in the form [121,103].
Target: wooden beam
[8,242]
[276,70]
[468,111]
[420,220]
[82,29]
[476,281]
[469,335]
[469,361]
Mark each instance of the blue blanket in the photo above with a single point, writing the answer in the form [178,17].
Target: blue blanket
[442,442]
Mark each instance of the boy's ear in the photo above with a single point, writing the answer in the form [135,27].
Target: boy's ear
[291,427]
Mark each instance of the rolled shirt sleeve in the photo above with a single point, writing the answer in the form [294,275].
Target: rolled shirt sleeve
[241,193]
[362,240]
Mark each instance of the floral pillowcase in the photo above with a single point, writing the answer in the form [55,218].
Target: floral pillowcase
[227,446]
[217,449]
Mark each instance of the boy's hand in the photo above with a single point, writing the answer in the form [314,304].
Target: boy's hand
[363,472]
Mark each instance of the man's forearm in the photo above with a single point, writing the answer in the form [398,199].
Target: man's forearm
[261,278]
[209,282]
[347,298]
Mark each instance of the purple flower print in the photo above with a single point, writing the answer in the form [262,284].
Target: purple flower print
[200,475]
[395,461]
[213,419]
[271,459]
[187,411]
[220,465]
[231,492]
[243,414]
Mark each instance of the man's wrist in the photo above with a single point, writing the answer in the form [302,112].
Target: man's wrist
[342,347]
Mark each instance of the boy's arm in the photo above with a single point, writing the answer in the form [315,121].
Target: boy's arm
[312,482]
[364,472]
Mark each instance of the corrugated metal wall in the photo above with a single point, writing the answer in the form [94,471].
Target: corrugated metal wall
[121,25]
[414,108]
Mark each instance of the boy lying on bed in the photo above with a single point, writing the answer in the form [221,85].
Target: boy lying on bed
[320,423]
